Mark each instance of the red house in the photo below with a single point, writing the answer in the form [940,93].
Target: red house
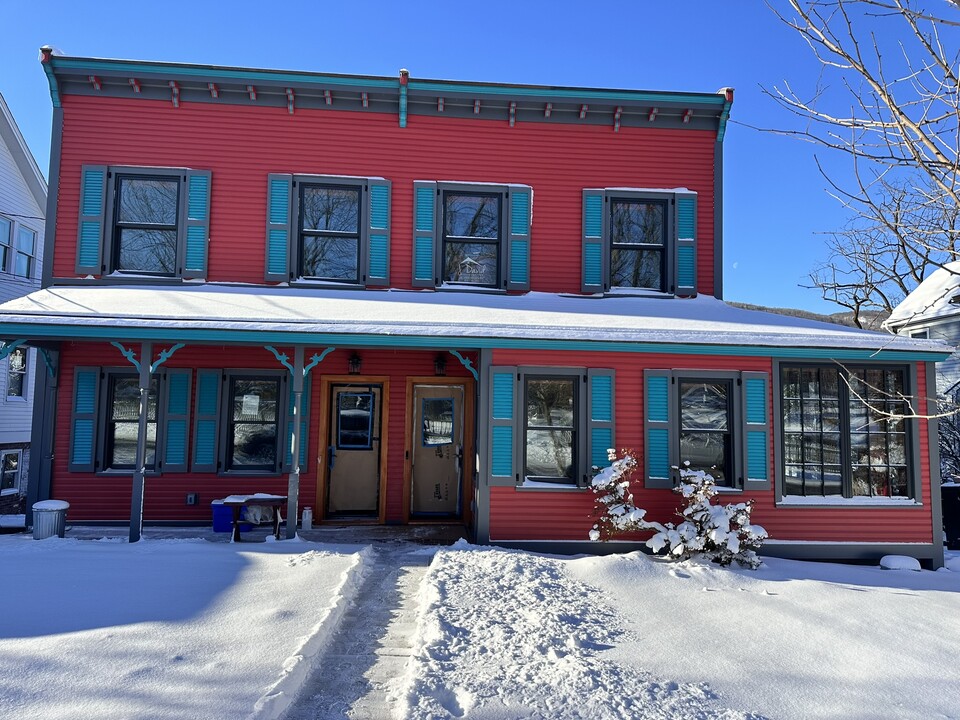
[405,301]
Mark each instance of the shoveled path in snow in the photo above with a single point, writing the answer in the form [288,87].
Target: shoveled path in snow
[365,663]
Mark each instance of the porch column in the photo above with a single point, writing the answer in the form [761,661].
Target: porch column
[293,480]
[136,502]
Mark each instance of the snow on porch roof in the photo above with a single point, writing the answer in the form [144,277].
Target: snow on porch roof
[231,313]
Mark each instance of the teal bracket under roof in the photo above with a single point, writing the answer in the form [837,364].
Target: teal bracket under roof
[47,63]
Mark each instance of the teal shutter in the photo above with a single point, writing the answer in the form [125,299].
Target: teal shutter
[504,409]
[520,205]
[600,418]
[659,428]
[90,230]
[206,421]
[425,232]
[378,232]
[279,227]
[176,419]
[197,234]
[83,423]
[686,251]
[594,261]
[756,430]
[304,426]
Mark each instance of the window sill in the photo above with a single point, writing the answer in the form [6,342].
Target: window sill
[638,292]
[539,486]
[842,502]
[325,284]
[126,279]
[453,287]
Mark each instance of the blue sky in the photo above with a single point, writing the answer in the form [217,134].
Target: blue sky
[776,207]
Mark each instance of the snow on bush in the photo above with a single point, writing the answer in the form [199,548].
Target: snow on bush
[721,533]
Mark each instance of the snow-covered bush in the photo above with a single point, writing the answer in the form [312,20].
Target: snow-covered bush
[722,533]
[613,507]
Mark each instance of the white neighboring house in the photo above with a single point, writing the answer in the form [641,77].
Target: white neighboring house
[933,311]
[23,201]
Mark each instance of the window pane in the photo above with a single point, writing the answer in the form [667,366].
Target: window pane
[148,201]
[636,222]
[23,266]
[791,448]
[333,258]
[123,423]
[5,227]
[474,263]
[15,385]
[153,251]
[10,470]
[791,383]
[550,403]
[550,454]
[26,241]
[254,445]
[791,415]
[476,216]
[355,420]
[437,418]
[330,208]
[636,268]
[706,451]
[704,405]
[255,400]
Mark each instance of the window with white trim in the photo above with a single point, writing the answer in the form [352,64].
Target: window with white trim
[10,469]
[6,239]
[17,365]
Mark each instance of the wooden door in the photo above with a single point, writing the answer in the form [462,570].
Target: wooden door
[436,477]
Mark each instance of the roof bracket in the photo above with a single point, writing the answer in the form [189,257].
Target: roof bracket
[252,92]
[439,104]
[364,99]
[175,93]
[583,111]
[653,114]
[476,107]
[687,114]
[135,85]
[616,118]
[214,93]
[95,81]
[290,100]
[327,97]
[548,110]
[513,113]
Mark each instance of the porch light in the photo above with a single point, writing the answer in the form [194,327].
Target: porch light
[440,365]
[353,364]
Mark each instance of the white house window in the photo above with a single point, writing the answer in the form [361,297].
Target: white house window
[10,469]
[6,233]
[24,259]
[17,373]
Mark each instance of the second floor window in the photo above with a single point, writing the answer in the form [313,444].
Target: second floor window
[145,224]
[6,232]
[330,232]
[638,239]
[471,238]
[25,251]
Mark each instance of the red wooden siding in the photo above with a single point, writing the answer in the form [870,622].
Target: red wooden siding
[530,515]
[107,497]
[240,145]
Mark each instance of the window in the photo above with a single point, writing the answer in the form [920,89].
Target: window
[550,429]
[122,422]
[472,235]
[711,420]
[472,228]
[139,221]
[844,432]
[26,250]
[252,423]
[923,334]
[6,233]
[10,469]
[328,229]
[17,373]
[706,427]
[355,420]
[637,239]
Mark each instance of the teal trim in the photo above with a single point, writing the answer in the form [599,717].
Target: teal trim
[502,405]
[316,360]
[260,337]
[724,116]
[756,394]
[467,363]
[198,194]
[658,399]
[686,217]
[520,213]
[403,106]
[424,209]
[82,449]
[86,399]
[277,252]
[8,347]
[196,251]
[379,205]
[282,358]
[757,455]
[658,452]
[52,81]
[593,263]
[164,356]
[686,264]
[378,256]
[601,440]
[176,450]
[501,452]
[130,355]
[90,242]
[423,258]
[594,216]
[92,192]
[279,201]
[519,261]
[601,398]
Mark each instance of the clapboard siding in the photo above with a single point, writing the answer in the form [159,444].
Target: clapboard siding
[241,145]
[556,515]
[107,497]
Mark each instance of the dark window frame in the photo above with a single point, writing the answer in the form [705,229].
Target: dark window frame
[24,375]
[360,185]
[910,433]
[104,408]
[370,418]
[732,477]
[579,450]
[6,244]
[666,205]
[18,470]
[466,190]
[226,421]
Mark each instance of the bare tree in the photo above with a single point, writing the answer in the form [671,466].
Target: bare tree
[887,96]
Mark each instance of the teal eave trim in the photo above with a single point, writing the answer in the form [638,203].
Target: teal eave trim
[644,96]
[724,116]
[142,69]
[274,337]
[54,85]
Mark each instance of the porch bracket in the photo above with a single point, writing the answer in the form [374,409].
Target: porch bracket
[130,355]
[468,364]
[282,358]
[51,369]
[165,355]
[316,360]
[9,348]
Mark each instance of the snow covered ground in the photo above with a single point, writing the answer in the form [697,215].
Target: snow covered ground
[194,629]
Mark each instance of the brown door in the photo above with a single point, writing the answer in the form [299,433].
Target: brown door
[437,463]
[353,450]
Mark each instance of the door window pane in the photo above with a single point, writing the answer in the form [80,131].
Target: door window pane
[437,419]
[355,420]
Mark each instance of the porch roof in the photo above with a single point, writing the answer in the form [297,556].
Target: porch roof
[457,319]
